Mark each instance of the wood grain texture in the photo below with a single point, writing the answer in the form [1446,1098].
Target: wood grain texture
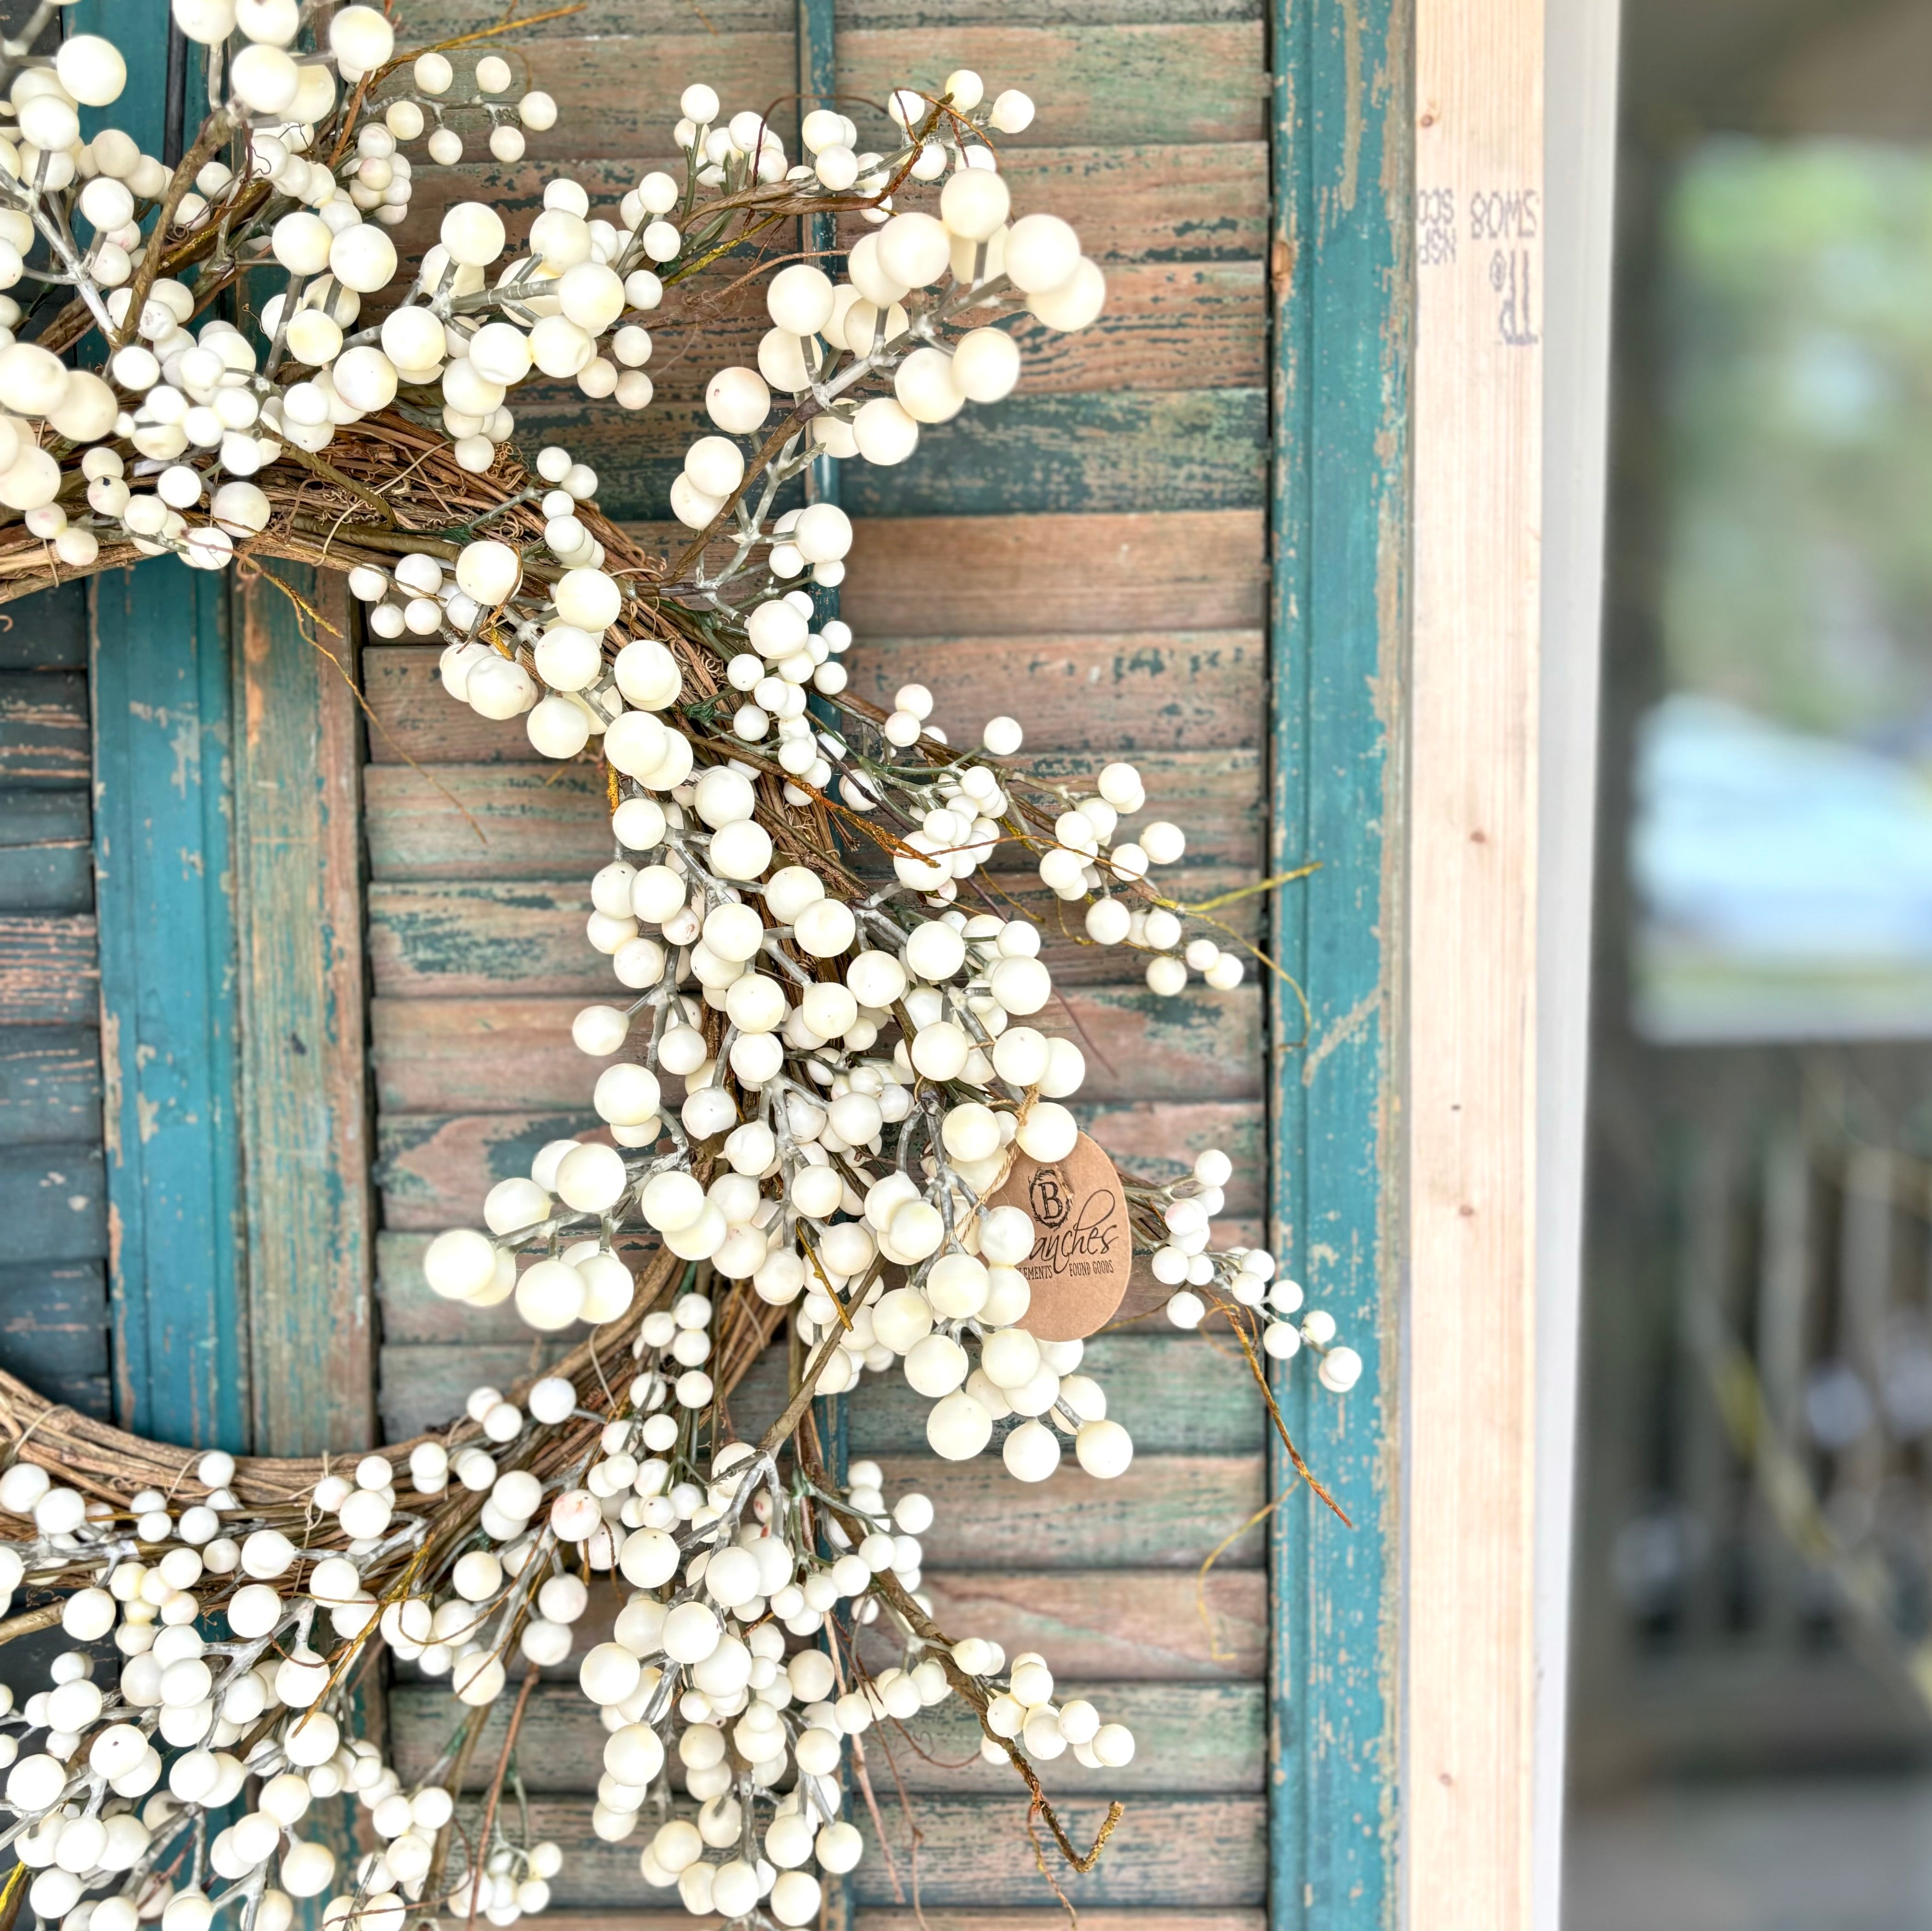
[1133,204]
[1166,1512]
[43,730]
[1190,1852]
[53,1298]
[966,1918]
[49,968]
[1202,569]
[1470,1675]
[53,1332]
[441,19]
[963,1918]
[310,1256]
[1183,325]
[943,15]
[433,1169]
[53,1202]
[1342,250]
[475,1055]
[29,817]
[1171,328]
[602,109]
[1164,1625]
[52,877]
[1194,1737]
[945,576]
[48,633]
[435,19]
[540,821]
[420,1387]
[1169,203]
[1162,1139]
[1198,450]
[1196,691]
[46,854]
[53,1322]
[1151,82]
[160,678]
[465,939]
[49,1083]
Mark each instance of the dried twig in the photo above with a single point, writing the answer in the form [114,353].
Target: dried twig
[530,1677]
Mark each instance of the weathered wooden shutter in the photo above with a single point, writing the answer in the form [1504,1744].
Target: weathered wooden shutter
[1121,557]
[182,1125]
[53,1290]
[1093,556]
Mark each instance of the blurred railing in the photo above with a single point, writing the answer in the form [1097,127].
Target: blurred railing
[1755,1582]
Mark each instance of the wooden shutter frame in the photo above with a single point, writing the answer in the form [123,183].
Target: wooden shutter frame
[228,855]
[1427,1141]
[1340,283]
[1370,1172]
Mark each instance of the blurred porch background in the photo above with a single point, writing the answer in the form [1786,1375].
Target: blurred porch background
[1751,1715]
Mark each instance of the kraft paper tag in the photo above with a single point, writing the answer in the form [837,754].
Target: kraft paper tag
[1083,1246]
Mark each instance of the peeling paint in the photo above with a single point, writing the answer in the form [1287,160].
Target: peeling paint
[1338,616]
[1349,1026]
[160,675]
[186,745]
[110,1094]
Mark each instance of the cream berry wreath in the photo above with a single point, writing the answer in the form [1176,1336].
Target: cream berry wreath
[820,1072]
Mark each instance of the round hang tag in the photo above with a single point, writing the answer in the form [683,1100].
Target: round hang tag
[1083,1246]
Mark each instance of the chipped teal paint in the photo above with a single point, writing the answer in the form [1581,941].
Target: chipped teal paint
[163,814]
[1340,164]
[304,1124]
[163,817]
[1088,452]
[167,1045]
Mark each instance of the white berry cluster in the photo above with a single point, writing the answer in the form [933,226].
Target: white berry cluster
[290,186]
[763,1738]
[813,1082]
[1247,1276]
[231,1638]
[194,406]
[865,1083]
[239,1629]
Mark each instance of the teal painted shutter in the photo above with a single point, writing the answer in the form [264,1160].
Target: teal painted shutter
[227,861]
[53,1303]
[228,847]
[1340,264]
[164,865]
[1126,489]
[163,819]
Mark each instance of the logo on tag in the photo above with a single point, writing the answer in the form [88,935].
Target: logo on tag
[1083,1245]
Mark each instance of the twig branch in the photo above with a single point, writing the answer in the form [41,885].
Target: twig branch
[495,1792]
